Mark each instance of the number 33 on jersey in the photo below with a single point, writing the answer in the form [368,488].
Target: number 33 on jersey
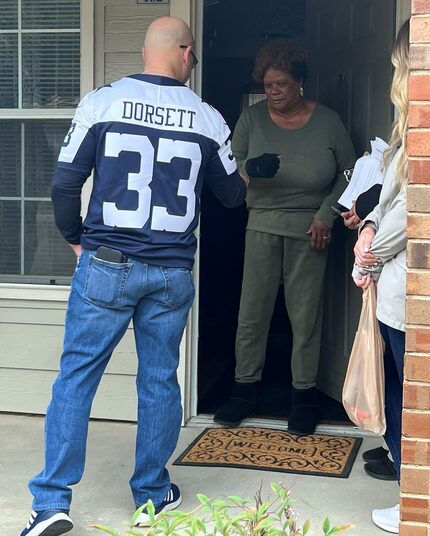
[151,142]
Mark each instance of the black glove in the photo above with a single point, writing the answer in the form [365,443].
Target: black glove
[265,166]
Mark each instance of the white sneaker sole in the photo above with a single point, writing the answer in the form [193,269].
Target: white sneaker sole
[143,519]
[387,528]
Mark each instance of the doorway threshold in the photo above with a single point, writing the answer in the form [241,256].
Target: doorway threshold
[206,420]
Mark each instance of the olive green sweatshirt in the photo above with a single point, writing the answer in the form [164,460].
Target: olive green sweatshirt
[310,178]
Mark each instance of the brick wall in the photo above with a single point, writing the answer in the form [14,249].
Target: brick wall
[415,481]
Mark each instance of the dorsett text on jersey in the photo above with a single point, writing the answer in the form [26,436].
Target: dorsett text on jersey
[165,116]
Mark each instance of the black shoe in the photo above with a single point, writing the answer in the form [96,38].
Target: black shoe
[381,469]
[374,455]
[240,405]
[171,501]
[305,412]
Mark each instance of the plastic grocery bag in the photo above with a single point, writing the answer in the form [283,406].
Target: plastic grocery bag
[363,390]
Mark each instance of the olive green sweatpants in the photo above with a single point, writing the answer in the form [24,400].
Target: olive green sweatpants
[270,259]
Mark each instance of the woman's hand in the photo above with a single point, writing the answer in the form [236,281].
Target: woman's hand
[350,218]
[364,282]
[263,166]
[319,234]
[363,257]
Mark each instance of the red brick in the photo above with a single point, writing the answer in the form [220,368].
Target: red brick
[419,170]
[418,282]
[419,56]
[408,529]
[419,226]
[416,424]
[419,86]
[420,6]
[418,198]
[416,481]
[416,396]
[415,452]
[419,142]
[417,310]
[418,254]
[420,30]
[419,115]
[417,368]
[418,339]
[413,509]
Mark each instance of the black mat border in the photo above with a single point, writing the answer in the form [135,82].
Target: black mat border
[345,473]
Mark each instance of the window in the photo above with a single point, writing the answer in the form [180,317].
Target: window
[39,89]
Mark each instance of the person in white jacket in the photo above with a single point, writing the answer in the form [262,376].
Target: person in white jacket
[380,258]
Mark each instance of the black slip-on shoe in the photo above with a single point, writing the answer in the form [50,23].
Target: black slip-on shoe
[374,455]
[381,469]
[239,406]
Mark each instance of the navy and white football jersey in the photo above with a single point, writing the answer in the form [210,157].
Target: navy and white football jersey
[151,142]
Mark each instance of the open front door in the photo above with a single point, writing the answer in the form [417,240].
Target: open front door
[349,43]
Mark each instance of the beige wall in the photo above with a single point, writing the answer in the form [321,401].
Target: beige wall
[31,317]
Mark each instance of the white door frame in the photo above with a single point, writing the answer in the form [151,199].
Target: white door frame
[191,11]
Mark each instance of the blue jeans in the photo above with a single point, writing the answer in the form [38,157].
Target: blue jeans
[393,367]
[104,298]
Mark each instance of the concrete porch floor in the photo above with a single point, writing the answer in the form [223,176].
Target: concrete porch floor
[103,496]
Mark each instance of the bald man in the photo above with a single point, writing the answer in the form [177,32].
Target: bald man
[151,143]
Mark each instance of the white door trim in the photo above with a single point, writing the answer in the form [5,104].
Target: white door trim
[191,11]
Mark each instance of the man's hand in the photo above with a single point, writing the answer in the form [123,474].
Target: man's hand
[350,218]
[363,257]
[319,234]
[263,166]
[77,248]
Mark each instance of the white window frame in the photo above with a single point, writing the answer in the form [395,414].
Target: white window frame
[56,292]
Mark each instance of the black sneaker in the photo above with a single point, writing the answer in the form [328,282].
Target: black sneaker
[171,501]
[374,455]
[48,523]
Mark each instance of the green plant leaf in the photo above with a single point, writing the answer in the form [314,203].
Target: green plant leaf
[233,516]
[262,510]
[306,527]
[204,500]
[326,525]
[238,500]
[106,529]
[218,520]
[137,513]
[340,528]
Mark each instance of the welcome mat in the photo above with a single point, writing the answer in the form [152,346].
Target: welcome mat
[272,450]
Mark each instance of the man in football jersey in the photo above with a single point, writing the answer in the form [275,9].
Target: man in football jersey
[151,143]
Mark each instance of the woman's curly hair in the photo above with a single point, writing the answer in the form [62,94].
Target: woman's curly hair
[282,55]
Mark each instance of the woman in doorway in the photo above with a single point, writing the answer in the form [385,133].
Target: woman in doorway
[294,151]
[380,257]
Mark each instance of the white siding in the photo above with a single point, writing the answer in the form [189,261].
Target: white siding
[120,31]
[32,327]
[31,343]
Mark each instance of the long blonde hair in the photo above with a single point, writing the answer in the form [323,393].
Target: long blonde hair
[399,97]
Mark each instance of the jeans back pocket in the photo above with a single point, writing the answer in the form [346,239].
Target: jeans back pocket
[105,282]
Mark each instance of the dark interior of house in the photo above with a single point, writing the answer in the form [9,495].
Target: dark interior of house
[230,44]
